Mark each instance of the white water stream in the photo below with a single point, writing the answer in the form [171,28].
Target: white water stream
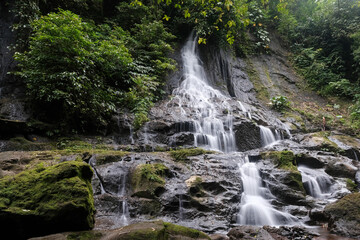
[255,209]
[124,219]
[268,137]
[196,98]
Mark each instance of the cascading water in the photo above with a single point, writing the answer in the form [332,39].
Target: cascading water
[181,208]
[244,110]
[317,183]
[267,136]
[211,128]
[92,164]
[124,219]
[254,208]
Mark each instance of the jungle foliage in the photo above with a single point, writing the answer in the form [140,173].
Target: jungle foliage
[84,60]
[325,39]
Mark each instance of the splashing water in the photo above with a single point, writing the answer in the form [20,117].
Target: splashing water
[244,110]
[124,219]
[254,208]
[267,136]
[317,183]
[196,98]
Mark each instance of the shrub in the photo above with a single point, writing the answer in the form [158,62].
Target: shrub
[72,68]
[279,103]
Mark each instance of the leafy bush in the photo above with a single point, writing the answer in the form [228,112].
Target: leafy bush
[73,69]
[279,103]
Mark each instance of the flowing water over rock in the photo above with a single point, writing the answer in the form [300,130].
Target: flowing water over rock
[236,185]
[123,221]
[316,182]
[205,103]
[267,136]
[255,209]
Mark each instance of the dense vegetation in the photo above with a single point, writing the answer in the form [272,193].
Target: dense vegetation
[325,39]
[83,61]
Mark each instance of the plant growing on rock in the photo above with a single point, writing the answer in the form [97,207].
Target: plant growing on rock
[280,103]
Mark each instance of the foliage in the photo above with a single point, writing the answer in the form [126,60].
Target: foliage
[279,103]
[71,66]
[209,18]
[325,39]
[257,26]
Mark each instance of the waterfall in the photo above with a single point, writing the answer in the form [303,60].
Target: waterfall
[211,121]
[243,109]
[124,219]
[316,182]
[92,164]
[267,136]
[181,208]
[356,156]
[254,208]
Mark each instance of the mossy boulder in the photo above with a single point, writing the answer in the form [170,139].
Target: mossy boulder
[182,155]
[156,230]
[344,215]
[283,159]
[46,200]
[320,141]
[286,162]
[148,180]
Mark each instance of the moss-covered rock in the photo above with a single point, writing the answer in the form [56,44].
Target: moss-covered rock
[284,159]
[344,215]
[45,200]
[155,230]
[183,154]
[148,180]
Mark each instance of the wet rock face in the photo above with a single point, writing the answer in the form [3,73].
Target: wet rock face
[210,200]
[344,215]
[247,136]
[249,232]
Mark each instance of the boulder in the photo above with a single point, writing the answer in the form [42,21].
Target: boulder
[247,135]
[47,200]
[308,161]
[341,169]
[344,215]
[138,231]
[249,232]
[148,180]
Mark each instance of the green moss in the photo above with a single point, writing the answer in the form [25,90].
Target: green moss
[183,154]
[84,235]
[22,144]
[261,90]
[109,157]
[159,149]
[177,230]
[147,179]
[58,198]
[351,185]
[284,159]
[347,208]
[287,160]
